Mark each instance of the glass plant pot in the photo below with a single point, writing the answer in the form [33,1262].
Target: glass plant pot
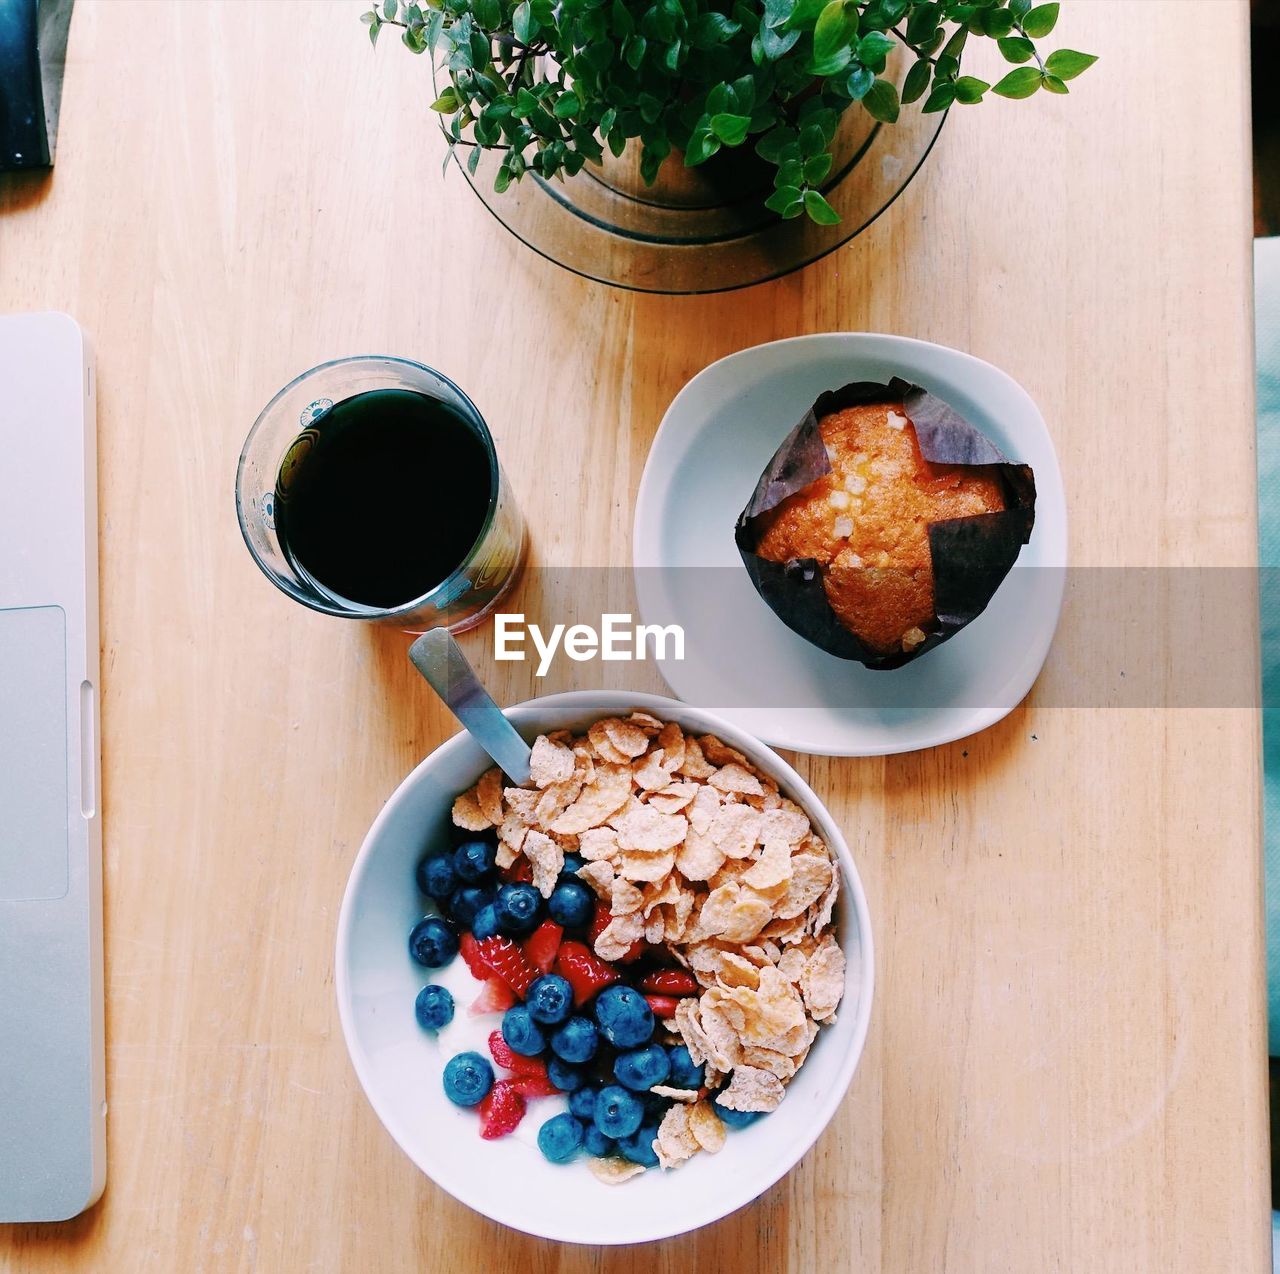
[705,229]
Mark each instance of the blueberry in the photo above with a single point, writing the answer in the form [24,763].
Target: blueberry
[522,1033]
[571,904]
[684,1074]
[736,1118]
[625,1019]
[550,999]
[467,1078]
[484,923]
[573,864]
[466,902]
[567,1078]
[642,1068]
[518,907]
[596,1144]
[560,1138]
[639,1146]
[582,1101]
[576,1040]
[433,943]
[433,1007]
[618,1112]
[436,877]
[473,860]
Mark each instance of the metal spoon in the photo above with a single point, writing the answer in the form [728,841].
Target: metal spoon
[439,658]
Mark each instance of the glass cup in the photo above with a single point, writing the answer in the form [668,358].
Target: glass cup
[472,589]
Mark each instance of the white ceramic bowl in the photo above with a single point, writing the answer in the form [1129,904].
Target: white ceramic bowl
[399,1065]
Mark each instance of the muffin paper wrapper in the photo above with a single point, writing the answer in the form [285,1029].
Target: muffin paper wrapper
[971,556]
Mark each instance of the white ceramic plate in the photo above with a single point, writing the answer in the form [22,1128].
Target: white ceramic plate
[400,1066]
[741,661]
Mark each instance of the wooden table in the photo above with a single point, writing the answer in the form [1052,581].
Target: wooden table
[1066,1065]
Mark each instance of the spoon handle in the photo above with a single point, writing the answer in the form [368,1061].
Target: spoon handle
[439,658]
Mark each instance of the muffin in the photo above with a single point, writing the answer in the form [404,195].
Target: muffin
[866,523]
[884,523]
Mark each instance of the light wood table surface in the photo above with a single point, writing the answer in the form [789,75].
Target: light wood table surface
[1065,1069]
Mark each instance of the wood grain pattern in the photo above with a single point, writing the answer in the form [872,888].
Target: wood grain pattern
[1066,1066]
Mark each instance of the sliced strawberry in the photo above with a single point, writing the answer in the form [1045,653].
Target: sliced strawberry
[505,1056]
[663,1006]
[469,950]
[541,945]
[501,1110]
[634,952]
[584,971]
[670,982]
[535,1086]
[600,918]
[520,871]
[508,962]
[495,997]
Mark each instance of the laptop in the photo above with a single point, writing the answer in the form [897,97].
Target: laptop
[52,1067]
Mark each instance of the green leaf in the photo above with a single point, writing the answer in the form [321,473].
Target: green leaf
[1066,64]
[731,129]
[944,93]
[881,102]
[1020,83]
[816,169]
[375,30]
[874,48]
[487,13]
[783,199]
[567,104]
[774,45]
[473,160]
[1019,8]
[813,141]
[818,208]
[721,98]
[861,79]
[1016,48]
[836,26]
[923,22]
[969,89]
[389,10]
[502,179]
[447,102]
[523,23]
[369,18]
[771,145]
[621,20]
[790,173]
[804,15]
[1040,20]
[917,81]
[713,28]
[776,12]
[1053,84]
[997,22]
[832,65]
[633,51]
[701,147]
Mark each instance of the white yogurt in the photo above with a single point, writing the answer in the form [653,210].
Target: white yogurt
[467,1033]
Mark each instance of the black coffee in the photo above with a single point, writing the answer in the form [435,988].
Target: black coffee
[383,496]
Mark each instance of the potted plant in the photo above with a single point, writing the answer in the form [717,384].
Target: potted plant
[551,85]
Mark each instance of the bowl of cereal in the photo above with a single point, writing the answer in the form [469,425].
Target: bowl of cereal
[616,1003]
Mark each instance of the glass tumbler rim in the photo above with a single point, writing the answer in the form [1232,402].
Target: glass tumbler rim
[350,609]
